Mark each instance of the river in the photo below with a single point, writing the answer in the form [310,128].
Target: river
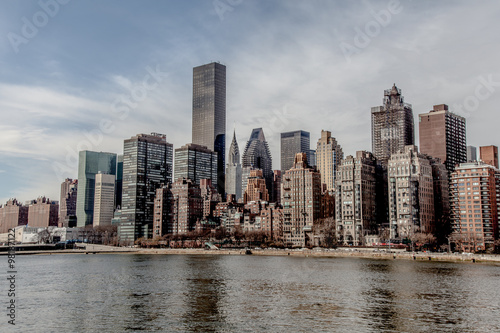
[226,293]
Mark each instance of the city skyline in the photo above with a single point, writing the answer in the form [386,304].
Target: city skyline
[69,99]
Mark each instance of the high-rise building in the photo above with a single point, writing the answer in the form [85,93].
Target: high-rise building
[392,125]
[328,157]
[355,198]
[475,203]
[209,113]
[442,135]
[301,199]
[471,154]
[162,210]
[411,194]
[441,199]
[489,155]
[196,162]
[147,164]
[258,156]
[90,163]
[293,143]
[104,199]
[276,194]
[43,213]
[12,214]
[186,206]
[233,170]
[119,182]
[67,203]
[256,187]
[312,157]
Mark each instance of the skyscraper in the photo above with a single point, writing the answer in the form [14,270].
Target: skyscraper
[147,163]
[301,199]
[119,182]
[475,203]
[233,170]
[392,125]
[328,157]
[209,113]
[89,164]
[442,135]
[257,155]
[355,198]
[196,162]
[411,194]
[104,199]
[471,154]
[67,203]
[489,155]
[293,143]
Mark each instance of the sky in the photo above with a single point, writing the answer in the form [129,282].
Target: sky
[78,75]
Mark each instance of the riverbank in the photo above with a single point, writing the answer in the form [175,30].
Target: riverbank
[321,253]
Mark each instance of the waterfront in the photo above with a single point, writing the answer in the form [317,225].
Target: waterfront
[213,293]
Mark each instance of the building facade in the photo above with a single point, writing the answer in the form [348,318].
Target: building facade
[392,125]
[276,192]
[471,154]
[90,163]
[301,199]
[147,164]
[43,213]
[293,143]
[328,157]
[489,155]
[104,199]
[256,189]
[12,214]
[196,162]
[443,136]
[411,194]
[209,113]
[355,198]
[257,156]
[186,206]
[475,201]
[67,203]
[233,170]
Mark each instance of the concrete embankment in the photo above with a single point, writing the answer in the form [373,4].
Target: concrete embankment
[326,253]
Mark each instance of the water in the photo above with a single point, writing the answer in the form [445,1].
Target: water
[210,293]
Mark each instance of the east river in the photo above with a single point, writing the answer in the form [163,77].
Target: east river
[238,293]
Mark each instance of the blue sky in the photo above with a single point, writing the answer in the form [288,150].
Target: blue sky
[291,65]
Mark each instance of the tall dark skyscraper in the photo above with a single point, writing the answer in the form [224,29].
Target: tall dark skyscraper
[196,163]
[209,113]
[392,125]
[147,164]
[293,143]
[257,155]
[90,163]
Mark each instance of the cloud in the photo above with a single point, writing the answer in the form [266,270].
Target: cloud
[285,71]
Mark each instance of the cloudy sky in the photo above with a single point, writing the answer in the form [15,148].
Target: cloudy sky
[78,75]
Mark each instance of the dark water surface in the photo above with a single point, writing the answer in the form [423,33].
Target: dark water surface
[194,293]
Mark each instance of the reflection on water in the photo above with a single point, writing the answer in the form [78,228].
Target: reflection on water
[184,293]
